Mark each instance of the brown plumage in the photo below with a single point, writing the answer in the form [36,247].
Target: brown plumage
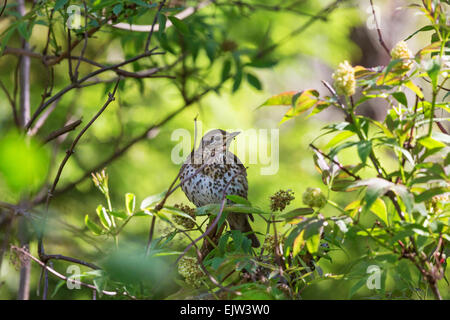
[208,185]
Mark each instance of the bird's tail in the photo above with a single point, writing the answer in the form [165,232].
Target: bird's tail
[239,221]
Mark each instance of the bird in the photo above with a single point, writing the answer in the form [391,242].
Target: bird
[207,171]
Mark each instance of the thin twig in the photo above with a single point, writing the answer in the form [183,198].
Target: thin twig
[149,38]
[380,37]
[78,82]
[335,162]
[12,103]
[59,275]
[75,73]
[59,132]
[3,8]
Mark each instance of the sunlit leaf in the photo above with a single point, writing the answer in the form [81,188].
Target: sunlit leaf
[96,229]
[380,210]
[130,203]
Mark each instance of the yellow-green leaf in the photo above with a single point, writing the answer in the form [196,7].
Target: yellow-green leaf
[379,209]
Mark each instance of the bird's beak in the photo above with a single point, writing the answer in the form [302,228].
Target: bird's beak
[232,135]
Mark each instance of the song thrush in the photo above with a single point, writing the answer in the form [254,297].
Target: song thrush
[207,185]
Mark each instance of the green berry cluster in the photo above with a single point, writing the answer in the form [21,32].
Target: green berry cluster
[281,199]
[189,269]
[269,242]
[314,198]
[183,221]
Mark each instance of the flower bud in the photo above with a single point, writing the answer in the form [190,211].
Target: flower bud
[401,51]
[344,79]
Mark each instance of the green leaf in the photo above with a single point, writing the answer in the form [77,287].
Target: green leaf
[23,30]
[119,214]
[430,143]
[433,73]
[104,217]
[341,136]
[162,23]
[59,4]
[312,243]
[179,24]
[296,213]
[312,235]
[364,149]
[210,48]
[356,287]
[410,85]
[226,70]
[380,210]
[237,80]
[376,187]
[144,4]
[428,194]
[301,102]
[282,99]
[150,201]
[239,200]
[130,203]
[117,9]
[57,287]
[254,81]
[400,97]
[426,28]
[143,213]
[96,229]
